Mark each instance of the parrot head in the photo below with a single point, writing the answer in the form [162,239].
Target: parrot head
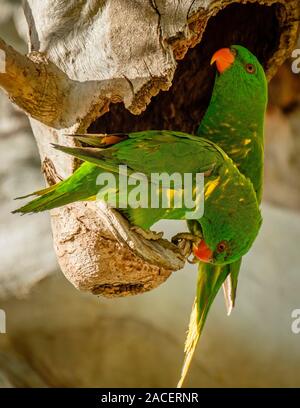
[225,251]
[227,228]
[239,72]
[223,243]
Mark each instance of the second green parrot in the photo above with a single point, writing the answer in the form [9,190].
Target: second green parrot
[235,121]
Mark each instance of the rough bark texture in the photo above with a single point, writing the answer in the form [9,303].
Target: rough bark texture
[102,65]
[34,84]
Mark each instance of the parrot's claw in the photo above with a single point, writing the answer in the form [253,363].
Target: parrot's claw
[147,234]
[193,261]
[185,242]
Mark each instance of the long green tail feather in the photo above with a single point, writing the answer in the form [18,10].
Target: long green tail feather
[39,192]
[48,201]
[81,185]
[210,279]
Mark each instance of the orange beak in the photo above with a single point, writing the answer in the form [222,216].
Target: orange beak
[223,58]
[203,252]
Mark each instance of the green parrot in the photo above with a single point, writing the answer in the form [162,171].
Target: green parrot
[234,120]
[231,217]
[223,127]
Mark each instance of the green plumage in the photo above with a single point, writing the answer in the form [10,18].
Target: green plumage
[234,121]
[227,193]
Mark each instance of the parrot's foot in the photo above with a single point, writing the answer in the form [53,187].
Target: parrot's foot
[185,242]
[147,234]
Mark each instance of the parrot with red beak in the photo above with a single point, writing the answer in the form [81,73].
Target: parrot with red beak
[234,120]
[248,153]
[165,152]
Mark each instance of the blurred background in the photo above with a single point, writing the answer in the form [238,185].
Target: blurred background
[57,336]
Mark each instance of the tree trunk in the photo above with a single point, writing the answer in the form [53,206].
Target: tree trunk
[116,65]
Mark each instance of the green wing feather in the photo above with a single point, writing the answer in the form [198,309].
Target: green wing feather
[145,152]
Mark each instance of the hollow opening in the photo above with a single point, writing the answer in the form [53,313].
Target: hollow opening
[182,107]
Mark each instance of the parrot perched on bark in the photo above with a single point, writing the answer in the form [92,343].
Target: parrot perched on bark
[234,120]
[231,218]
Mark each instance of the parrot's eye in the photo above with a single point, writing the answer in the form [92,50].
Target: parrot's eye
[250,68]
[222,246]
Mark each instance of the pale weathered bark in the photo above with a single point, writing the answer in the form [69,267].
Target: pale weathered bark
[33,83]
[90,57]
